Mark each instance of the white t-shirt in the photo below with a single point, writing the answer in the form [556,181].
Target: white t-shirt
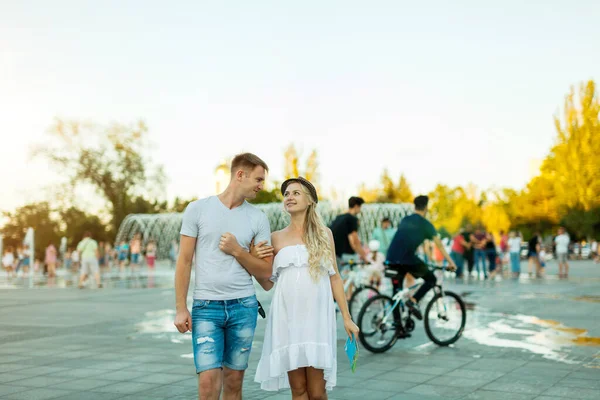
[595,247]
[219,276]
[75,256]
[8,260]
[514,244]
[562,243]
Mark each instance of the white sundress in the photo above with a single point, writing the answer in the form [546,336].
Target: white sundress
[301,328]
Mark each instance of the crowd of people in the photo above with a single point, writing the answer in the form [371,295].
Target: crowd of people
[87,258]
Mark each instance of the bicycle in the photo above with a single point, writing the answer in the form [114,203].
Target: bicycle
[445,313]
[360,282]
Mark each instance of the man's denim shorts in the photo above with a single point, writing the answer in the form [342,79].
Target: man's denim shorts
[222,332]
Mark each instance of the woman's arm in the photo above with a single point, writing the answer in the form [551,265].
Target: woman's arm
[263,250]
[337,288]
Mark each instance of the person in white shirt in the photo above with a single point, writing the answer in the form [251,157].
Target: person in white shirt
[514,248]
[562,251]
[8,261]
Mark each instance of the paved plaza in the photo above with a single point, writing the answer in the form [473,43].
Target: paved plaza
[531,339]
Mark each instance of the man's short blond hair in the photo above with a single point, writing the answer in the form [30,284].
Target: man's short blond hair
[247,161]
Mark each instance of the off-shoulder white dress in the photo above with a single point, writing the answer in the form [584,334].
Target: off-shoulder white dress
[301,329]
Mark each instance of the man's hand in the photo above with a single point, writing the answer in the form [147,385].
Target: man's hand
[451,266]
[183,321]
[229,244]
[261,250]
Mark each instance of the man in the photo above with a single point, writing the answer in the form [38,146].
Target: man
[345,233]
[225,308]
[562,251]
[384,235]
[88,253]
[412,232]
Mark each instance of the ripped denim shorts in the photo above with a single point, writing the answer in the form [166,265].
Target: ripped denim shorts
[222,332]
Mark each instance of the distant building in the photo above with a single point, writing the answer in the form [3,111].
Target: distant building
[222,176]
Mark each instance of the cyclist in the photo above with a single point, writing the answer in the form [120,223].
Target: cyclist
[412,232]
[345,237]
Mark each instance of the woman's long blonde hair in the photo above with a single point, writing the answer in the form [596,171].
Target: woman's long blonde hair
[316,239]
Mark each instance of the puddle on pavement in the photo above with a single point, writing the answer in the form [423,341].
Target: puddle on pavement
[548,338]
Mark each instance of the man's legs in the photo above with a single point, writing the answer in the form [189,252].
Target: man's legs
[84,273]
[209,384]
[422,271]
[208,344]
[239,333]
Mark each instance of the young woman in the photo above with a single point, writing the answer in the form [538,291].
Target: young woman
[299,350]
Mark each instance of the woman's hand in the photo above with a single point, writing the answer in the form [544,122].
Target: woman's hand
[351,328]
[261,250]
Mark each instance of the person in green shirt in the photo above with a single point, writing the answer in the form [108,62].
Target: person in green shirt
[384,235]
[88,251]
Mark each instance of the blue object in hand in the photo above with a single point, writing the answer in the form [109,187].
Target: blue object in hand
[351,349]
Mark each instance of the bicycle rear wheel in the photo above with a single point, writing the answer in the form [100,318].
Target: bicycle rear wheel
[445,318]
[375,335]
[358,299]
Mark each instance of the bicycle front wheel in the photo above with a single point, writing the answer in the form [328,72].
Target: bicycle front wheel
[445,318]
[376,335]
[358,299]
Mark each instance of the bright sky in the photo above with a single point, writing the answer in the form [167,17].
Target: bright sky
[452,92]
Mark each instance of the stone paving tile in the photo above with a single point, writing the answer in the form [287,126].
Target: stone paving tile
[82,384]
[516,387]
[39,394]
[491,395]
[8,377]
[573,393]
[125,387]
[92,396]
[40,381]
[6,389]
[446,392]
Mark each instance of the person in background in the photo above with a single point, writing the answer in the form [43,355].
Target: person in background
[151,254]
[533,254]
[479,240]
[123,254]
[514,249]
[457,252]
[503,248]
[88,248]
[384,235]
[562,251]
[75,261]
[68,259]
[542,262]
[50,260]
[492,254]
[8,261]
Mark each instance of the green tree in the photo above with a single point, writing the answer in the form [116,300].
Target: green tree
[110,158]
[76,222]
[39,217]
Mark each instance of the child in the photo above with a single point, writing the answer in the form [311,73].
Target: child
[542,262]
[75,261]
[68,259]
[151,253]
[375,268]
